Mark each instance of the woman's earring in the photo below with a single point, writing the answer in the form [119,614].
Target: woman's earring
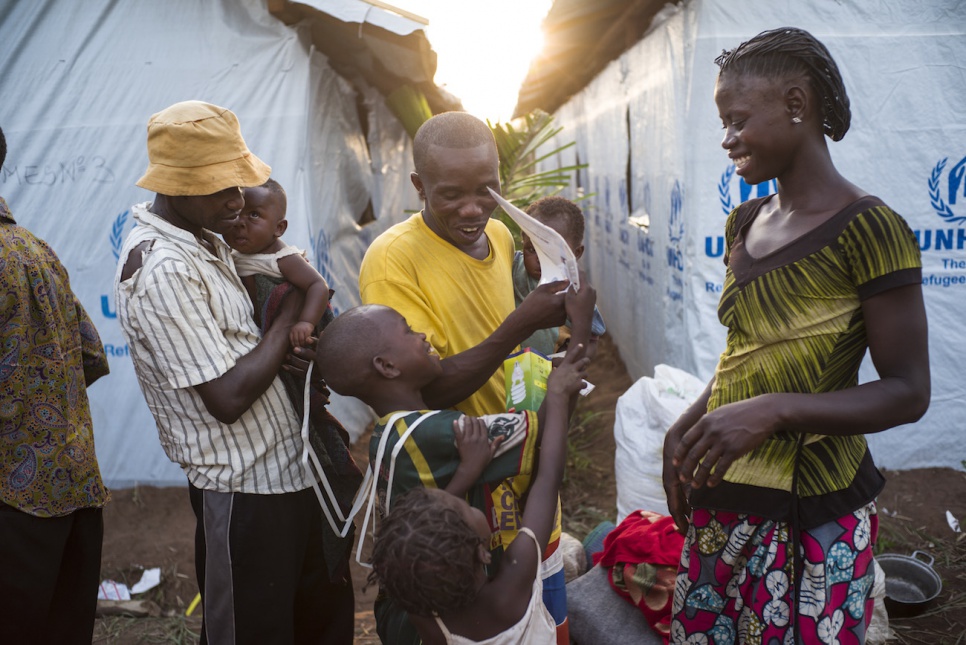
[796,120]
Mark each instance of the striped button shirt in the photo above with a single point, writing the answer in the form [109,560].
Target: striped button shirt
[187,319]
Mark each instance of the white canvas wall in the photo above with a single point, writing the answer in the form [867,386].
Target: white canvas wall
[81,79]
[649,129]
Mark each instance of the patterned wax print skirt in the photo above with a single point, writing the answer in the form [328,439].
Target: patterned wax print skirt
[736,581]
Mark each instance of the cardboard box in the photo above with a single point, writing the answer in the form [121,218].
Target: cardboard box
[526,380]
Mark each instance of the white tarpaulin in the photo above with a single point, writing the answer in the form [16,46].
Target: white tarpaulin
[81,79]
[650,132]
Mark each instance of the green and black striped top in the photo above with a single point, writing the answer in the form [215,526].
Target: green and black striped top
[795,324]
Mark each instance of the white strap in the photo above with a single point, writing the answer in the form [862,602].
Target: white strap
[311,461]
[397,448]
[374,466]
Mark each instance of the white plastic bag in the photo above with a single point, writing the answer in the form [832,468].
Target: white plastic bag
[643,415]
[878,632]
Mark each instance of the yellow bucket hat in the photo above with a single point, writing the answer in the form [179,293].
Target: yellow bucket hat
[196,148]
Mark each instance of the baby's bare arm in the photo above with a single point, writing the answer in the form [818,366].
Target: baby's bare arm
[306,279]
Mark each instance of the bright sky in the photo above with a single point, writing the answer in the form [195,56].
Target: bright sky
[483,47]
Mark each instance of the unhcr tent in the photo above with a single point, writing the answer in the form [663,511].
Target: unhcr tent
[661,186]
[81,79]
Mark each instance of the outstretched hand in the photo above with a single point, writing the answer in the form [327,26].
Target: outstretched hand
[544,306]
[567,378]
[579,305]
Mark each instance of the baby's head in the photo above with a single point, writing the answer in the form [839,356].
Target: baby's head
[367,345]
[563,216]
[262,222]
[430,551]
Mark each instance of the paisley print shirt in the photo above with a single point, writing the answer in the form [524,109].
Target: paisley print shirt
[50,352]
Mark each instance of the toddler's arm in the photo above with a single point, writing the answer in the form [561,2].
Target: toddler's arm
[580,309]
[520,563]
[306,279]
[563,384]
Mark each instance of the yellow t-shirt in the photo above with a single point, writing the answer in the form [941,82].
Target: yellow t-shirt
[456,300]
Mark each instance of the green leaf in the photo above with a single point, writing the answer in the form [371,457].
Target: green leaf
[518,144]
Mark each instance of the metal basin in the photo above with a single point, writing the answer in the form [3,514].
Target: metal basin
[912,585]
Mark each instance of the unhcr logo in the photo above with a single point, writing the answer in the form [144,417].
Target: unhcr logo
[946,191]
[117,234]
[675,234]
[323,262]
[955,182]
[746,191]
[714,244]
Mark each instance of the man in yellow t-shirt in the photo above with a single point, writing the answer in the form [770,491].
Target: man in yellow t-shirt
[448,271]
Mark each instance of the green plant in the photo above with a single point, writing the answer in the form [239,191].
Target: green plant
[410,106]
[519,144]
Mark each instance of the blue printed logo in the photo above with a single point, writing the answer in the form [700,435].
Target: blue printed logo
[745,189]
[714,245]
[323,261]
[955,182]
[675,223]
[675,233]
[117,234]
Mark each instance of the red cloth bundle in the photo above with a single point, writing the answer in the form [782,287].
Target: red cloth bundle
[641,556]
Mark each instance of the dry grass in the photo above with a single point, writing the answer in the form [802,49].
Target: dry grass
[945,622]
[167,630]
[586,498]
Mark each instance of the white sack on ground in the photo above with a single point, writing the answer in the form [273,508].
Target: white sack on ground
[643,415]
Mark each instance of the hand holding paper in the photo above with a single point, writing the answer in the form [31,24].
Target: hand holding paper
[557,261]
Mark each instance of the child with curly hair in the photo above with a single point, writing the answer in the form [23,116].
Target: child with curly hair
[371,353]
[432,550]
[566,218]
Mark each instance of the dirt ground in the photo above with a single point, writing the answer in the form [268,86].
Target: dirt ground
[153,527]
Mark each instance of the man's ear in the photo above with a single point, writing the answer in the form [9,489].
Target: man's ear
[418,183]
[281,227]
[578,251]
[385,367]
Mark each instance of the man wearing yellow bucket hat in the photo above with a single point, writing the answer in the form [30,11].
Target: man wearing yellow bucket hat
[211,383]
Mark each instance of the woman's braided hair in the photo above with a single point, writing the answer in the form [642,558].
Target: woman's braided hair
[779,53]
[425,555]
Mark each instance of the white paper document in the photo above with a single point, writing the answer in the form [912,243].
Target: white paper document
[557,261]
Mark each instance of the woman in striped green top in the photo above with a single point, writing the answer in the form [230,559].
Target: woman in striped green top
[768,473]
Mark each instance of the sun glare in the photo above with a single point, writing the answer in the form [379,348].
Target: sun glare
[483,49]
